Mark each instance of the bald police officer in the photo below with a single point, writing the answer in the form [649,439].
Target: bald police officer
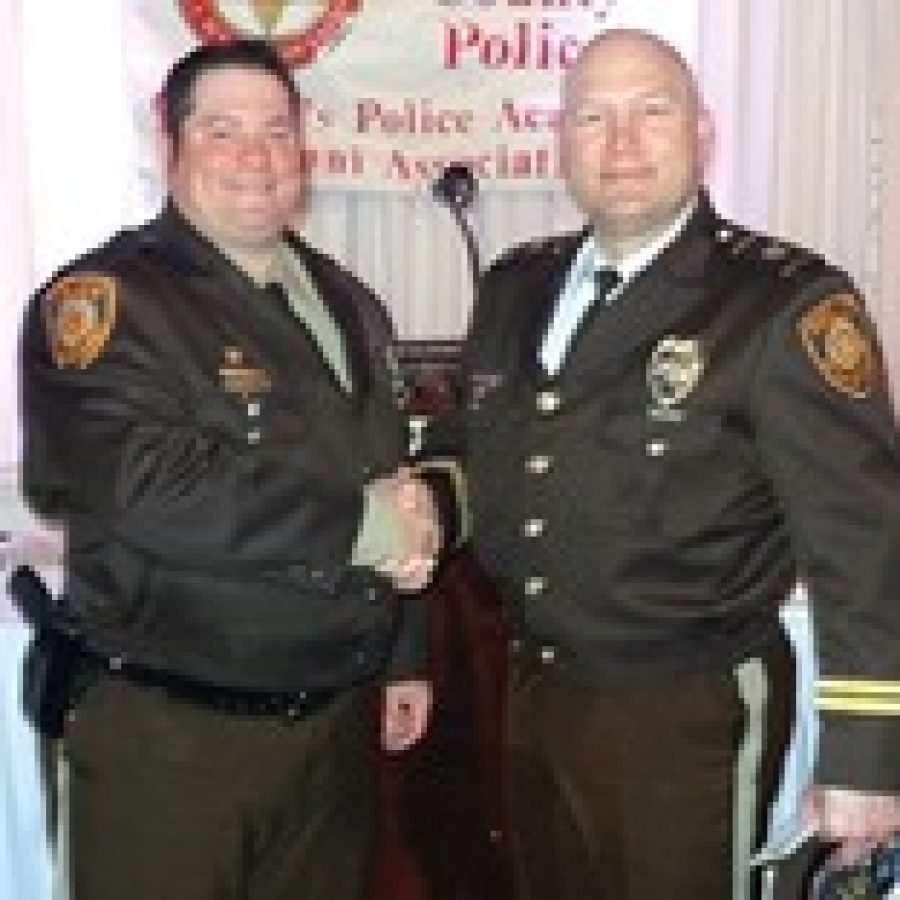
[211,407]
[668,420]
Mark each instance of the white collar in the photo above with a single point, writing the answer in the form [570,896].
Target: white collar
[591,257]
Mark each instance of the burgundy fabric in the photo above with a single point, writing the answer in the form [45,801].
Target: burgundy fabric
[442,834]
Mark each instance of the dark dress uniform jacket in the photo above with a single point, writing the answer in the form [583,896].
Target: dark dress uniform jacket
[210,471]
[646,510]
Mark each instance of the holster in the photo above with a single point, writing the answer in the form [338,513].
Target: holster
[56,672]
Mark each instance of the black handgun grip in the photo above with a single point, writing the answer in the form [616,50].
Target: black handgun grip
[31,596]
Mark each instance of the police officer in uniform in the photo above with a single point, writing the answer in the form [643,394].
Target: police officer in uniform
[668,420]
[211,407]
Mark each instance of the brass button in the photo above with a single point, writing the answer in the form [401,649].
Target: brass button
[656,448]
[534,527]
[548,655]
[535,585]
[253,436]
[538,464]
[548,402]
[253,409]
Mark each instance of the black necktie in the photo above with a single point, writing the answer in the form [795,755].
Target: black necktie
[605,283]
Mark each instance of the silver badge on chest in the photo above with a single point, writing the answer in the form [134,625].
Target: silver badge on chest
[674,370]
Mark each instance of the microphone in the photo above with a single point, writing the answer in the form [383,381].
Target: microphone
[456,186]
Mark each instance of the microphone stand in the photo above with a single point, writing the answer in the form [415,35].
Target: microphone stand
[456,188]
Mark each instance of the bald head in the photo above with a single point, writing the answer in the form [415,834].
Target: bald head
[633,44]
[634,136]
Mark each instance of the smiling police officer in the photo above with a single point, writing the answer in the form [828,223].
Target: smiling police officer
[211,407]
[668,420]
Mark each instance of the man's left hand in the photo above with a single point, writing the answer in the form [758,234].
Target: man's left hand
[405,714]
[857,821]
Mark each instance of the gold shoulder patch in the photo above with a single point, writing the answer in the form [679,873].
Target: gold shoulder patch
[79,313]
[837,337]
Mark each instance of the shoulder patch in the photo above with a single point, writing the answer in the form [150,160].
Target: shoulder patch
[836,335]
[79,312]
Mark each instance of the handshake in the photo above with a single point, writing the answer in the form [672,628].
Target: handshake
[404,529]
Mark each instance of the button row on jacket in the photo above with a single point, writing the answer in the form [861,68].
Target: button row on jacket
[539,464]
[548,402]
[546,653]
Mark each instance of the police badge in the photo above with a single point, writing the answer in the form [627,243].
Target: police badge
[674,370]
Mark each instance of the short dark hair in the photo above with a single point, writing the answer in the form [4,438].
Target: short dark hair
[177,95]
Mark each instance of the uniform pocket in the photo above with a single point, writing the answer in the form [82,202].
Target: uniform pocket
[705,477]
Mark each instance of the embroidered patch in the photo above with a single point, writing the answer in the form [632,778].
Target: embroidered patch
[837,337]
[79,313]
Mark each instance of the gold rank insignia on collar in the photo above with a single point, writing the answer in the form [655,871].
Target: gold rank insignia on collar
[79,312]
[743,241]
[836,337]
[775,251]
[237,377]
[674,370]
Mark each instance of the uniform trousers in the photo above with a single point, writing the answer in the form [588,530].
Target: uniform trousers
[168,799]
[643,791]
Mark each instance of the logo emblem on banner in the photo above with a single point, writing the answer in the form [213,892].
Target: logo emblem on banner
[323,23]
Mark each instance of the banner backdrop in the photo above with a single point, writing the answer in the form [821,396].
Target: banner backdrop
[396,89]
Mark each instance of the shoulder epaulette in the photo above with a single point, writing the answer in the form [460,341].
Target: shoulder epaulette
[538,247]
[786,259]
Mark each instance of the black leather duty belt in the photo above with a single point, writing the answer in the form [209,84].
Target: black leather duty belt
[221,699]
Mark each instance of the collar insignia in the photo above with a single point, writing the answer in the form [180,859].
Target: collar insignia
[237,377]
